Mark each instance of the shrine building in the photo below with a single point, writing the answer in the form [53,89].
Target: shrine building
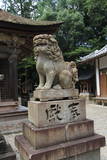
[99,60]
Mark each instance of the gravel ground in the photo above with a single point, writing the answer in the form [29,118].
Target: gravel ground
[95,112]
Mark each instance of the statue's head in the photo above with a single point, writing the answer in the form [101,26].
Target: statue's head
[48,45]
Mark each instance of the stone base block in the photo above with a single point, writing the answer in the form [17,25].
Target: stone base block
[51,113]
[66,150]
[48,136]
[52,94]
[95,155]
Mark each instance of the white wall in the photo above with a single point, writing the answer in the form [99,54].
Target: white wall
[103,62]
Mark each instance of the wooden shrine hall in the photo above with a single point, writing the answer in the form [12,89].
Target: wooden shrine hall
[16,42]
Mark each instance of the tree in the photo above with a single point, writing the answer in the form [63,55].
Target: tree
[26,72]
[96,18]
[71,31]
[46,10]
[89,32]
[24,8]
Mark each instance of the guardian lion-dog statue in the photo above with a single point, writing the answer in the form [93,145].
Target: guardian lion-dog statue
[50,65]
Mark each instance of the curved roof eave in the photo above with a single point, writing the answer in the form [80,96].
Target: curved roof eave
[8,20]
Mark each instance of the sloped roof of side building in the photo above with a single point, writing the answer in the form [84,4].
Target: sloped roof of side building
[94,55]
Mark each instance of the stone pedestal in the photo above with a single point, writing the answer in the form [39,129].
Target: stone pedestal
[54,94]
[57,129]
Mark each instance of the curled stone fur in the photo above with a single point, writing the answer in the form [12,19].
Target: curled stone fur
[51,67]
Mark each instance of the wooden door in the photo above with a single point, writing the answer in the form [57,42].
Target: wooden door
[103,84]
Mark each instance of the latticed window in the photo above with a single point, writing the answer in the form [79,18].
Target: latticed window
[4,83]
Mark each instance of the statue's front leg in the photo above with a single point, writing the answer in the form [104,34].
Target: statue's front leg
[41,81]
[49,80]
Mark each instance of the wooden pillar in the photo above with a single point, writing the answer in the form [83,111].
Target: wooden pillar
[13,82]
[97,78]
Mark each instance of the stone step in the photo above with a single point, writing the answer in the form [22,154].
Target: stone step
[12,126]
[13,117]
[48,136]
[14,114]
[60,151]
[8,105]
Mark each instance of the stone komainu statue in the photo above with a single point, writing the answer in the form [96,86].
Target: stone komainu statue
[51,67]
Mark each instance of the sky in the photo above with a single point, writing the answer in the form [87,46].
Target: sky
[1,3]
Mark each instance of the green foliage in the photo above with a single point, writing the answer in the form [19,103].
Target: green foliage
[77,53]
[96,18]
[26,68]
[25,8]
[71,29]
[45,10]
[48,14]
[26,72]
[85,24]
[27,63]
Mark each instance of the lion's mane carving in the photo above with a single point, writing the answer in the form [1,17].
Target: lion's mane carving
[50,64]
[52,49]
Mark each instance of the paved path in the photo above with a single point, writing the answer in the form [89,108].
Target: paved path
[98,113]
[94,112]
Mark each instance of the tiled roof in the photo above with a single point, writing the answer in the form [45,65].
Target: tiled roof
[8,17]
[95,54]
